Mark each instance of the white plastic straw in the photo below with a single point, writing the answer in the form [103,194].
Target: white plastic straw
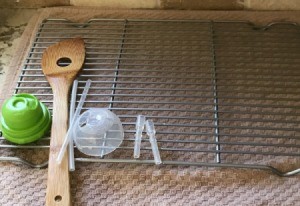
[139,126]
[72,111]
[77,112]
[151,133]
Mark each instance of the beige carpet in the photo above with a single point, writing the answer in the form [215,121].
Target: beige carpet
[121,184]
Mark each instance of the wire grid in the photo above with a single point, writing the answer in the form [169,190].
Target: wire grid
[221,94]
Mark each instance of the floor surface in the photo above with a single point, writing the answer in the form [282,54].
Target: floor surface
[12,25]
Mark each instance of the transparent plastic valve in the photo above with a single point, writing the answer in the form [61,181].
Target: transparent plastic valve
[139,126]
[151,133]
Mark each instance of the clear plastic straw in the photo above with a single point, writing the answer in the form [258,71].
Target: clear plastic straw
[139,126]
[77,112]
[151,133]
[72,111]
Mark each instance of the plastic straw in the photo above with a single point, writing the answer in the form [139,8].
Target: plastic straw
[72,111]
[77,112]
[139,126]
[151,133]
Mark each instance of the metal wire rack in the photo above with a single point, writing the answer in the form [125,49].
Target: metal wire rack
[221,94]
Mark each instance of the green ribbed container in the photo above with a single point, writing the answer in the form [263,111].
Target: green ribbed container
[24,119]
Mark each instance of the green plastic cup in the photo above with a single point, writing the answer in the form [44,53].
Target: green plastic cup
[24,119]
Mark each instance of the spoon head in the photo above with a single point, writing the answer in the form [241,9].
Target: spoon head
[64,59]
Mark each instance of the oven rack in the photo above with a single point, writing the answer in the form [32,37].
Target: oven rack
[221,93]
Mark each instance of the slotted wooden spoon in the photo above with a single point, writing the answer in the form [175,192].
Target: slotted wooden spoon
[60,64]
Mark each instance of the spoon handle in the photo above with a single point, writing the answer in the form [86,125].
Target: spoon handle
[58,186]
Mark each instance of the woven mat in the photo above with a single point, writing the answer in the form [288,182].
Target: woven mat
[119,184]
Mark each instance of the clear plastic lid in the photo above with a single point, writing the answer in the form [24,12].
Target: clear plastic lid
[98,132]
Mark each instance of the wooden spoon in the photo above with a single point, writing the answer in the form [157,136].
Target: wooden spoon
[60,76]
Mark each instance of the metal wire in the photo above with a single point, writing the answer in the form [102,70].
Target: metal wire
[221,94]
